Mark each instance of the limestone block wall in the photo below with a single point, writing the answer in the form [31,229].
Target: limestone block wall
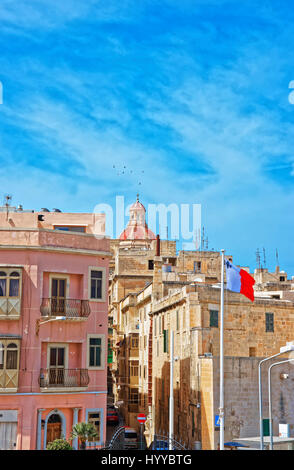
[241,396]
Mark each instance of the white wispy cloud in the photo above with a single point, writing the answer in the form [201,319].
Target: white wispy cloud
[196,104]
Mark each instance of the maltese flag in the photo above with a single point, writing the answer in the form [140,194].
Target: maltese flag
[238,280]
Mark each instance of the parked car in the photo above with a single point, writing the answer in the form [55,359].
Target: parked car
[112,416]
[159,445]
[131,438]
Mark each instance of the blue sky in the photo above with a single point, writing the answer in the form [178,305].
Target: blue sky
[195,94]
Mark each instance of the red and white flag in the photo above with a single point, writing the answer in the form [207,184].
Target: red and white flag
[238,280]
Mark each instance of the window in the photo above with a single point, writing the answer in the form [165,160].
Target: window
[197,266]
[252,352]
[95,352]
[269,322]
[96,284]
[9,361]
[134,369]
[70,228]
[150,264]
[135,343]
[177,318]
[165,341]
[9,283]
[213,320]
[95,419]
[133,395]
[282,278]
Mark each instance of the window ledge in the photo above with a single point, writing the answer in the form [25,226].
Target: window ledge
[9,317]
[8,390]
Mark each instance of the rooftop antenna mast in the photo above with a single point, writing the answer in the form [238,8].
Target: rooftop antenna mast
[264,258]
[258,258]
[202,238]
[277,259]
[7,199]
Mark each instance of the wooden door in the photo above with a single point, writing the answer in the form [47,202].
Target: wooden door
[58,296]
[56,365]
[53,431]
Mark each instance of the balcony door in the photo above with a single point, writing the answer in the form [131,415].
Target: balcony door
[58,296]
[56,365]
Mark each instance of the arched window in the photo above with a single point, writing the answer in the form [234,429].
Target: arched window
[14,284]
[55,418]
[9,354]
[2,349]
[3,283]
[9,283]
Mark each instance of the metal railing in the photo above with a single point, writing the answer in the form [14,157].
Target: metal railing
[58,377]
[71,308]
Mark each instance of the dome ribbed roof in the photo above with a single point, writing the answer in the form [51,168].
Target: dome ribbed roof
[137,229]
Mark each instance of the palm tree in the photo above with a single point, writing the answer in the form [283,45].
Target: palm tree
[84,432]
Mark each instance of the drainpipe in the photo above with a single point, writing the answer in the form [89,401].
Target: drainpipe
[75,421]
[39,428]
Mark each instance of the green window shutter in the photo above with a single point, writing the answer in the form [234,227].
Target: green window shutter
[213,320]
[266,427]
[269,322]
[165,341]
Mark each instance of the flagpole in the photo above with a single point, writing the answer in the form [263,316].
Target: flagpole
[221,398]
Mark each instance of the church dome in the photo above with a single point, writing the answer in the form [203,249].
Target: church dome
[137,228]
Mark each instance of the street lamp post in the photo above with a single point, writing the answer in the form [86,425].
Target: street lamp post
[171,392]
[270,400]
[289,347]
[173,359]
[39,322]
[221,355]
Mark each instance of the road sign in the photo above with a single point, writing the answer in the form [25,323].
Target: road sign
[216,421]
[141,418]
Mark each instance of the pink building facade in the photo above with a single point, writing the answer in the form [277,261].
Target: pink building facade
[53,326]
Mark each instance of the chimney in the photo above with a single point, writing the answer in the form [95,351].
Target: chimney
[157,245]
[157,289]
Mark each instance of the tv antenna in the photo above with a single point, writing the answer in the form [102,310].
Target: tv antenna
[258,258]
[264,258]
[277,257]
[7,201]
